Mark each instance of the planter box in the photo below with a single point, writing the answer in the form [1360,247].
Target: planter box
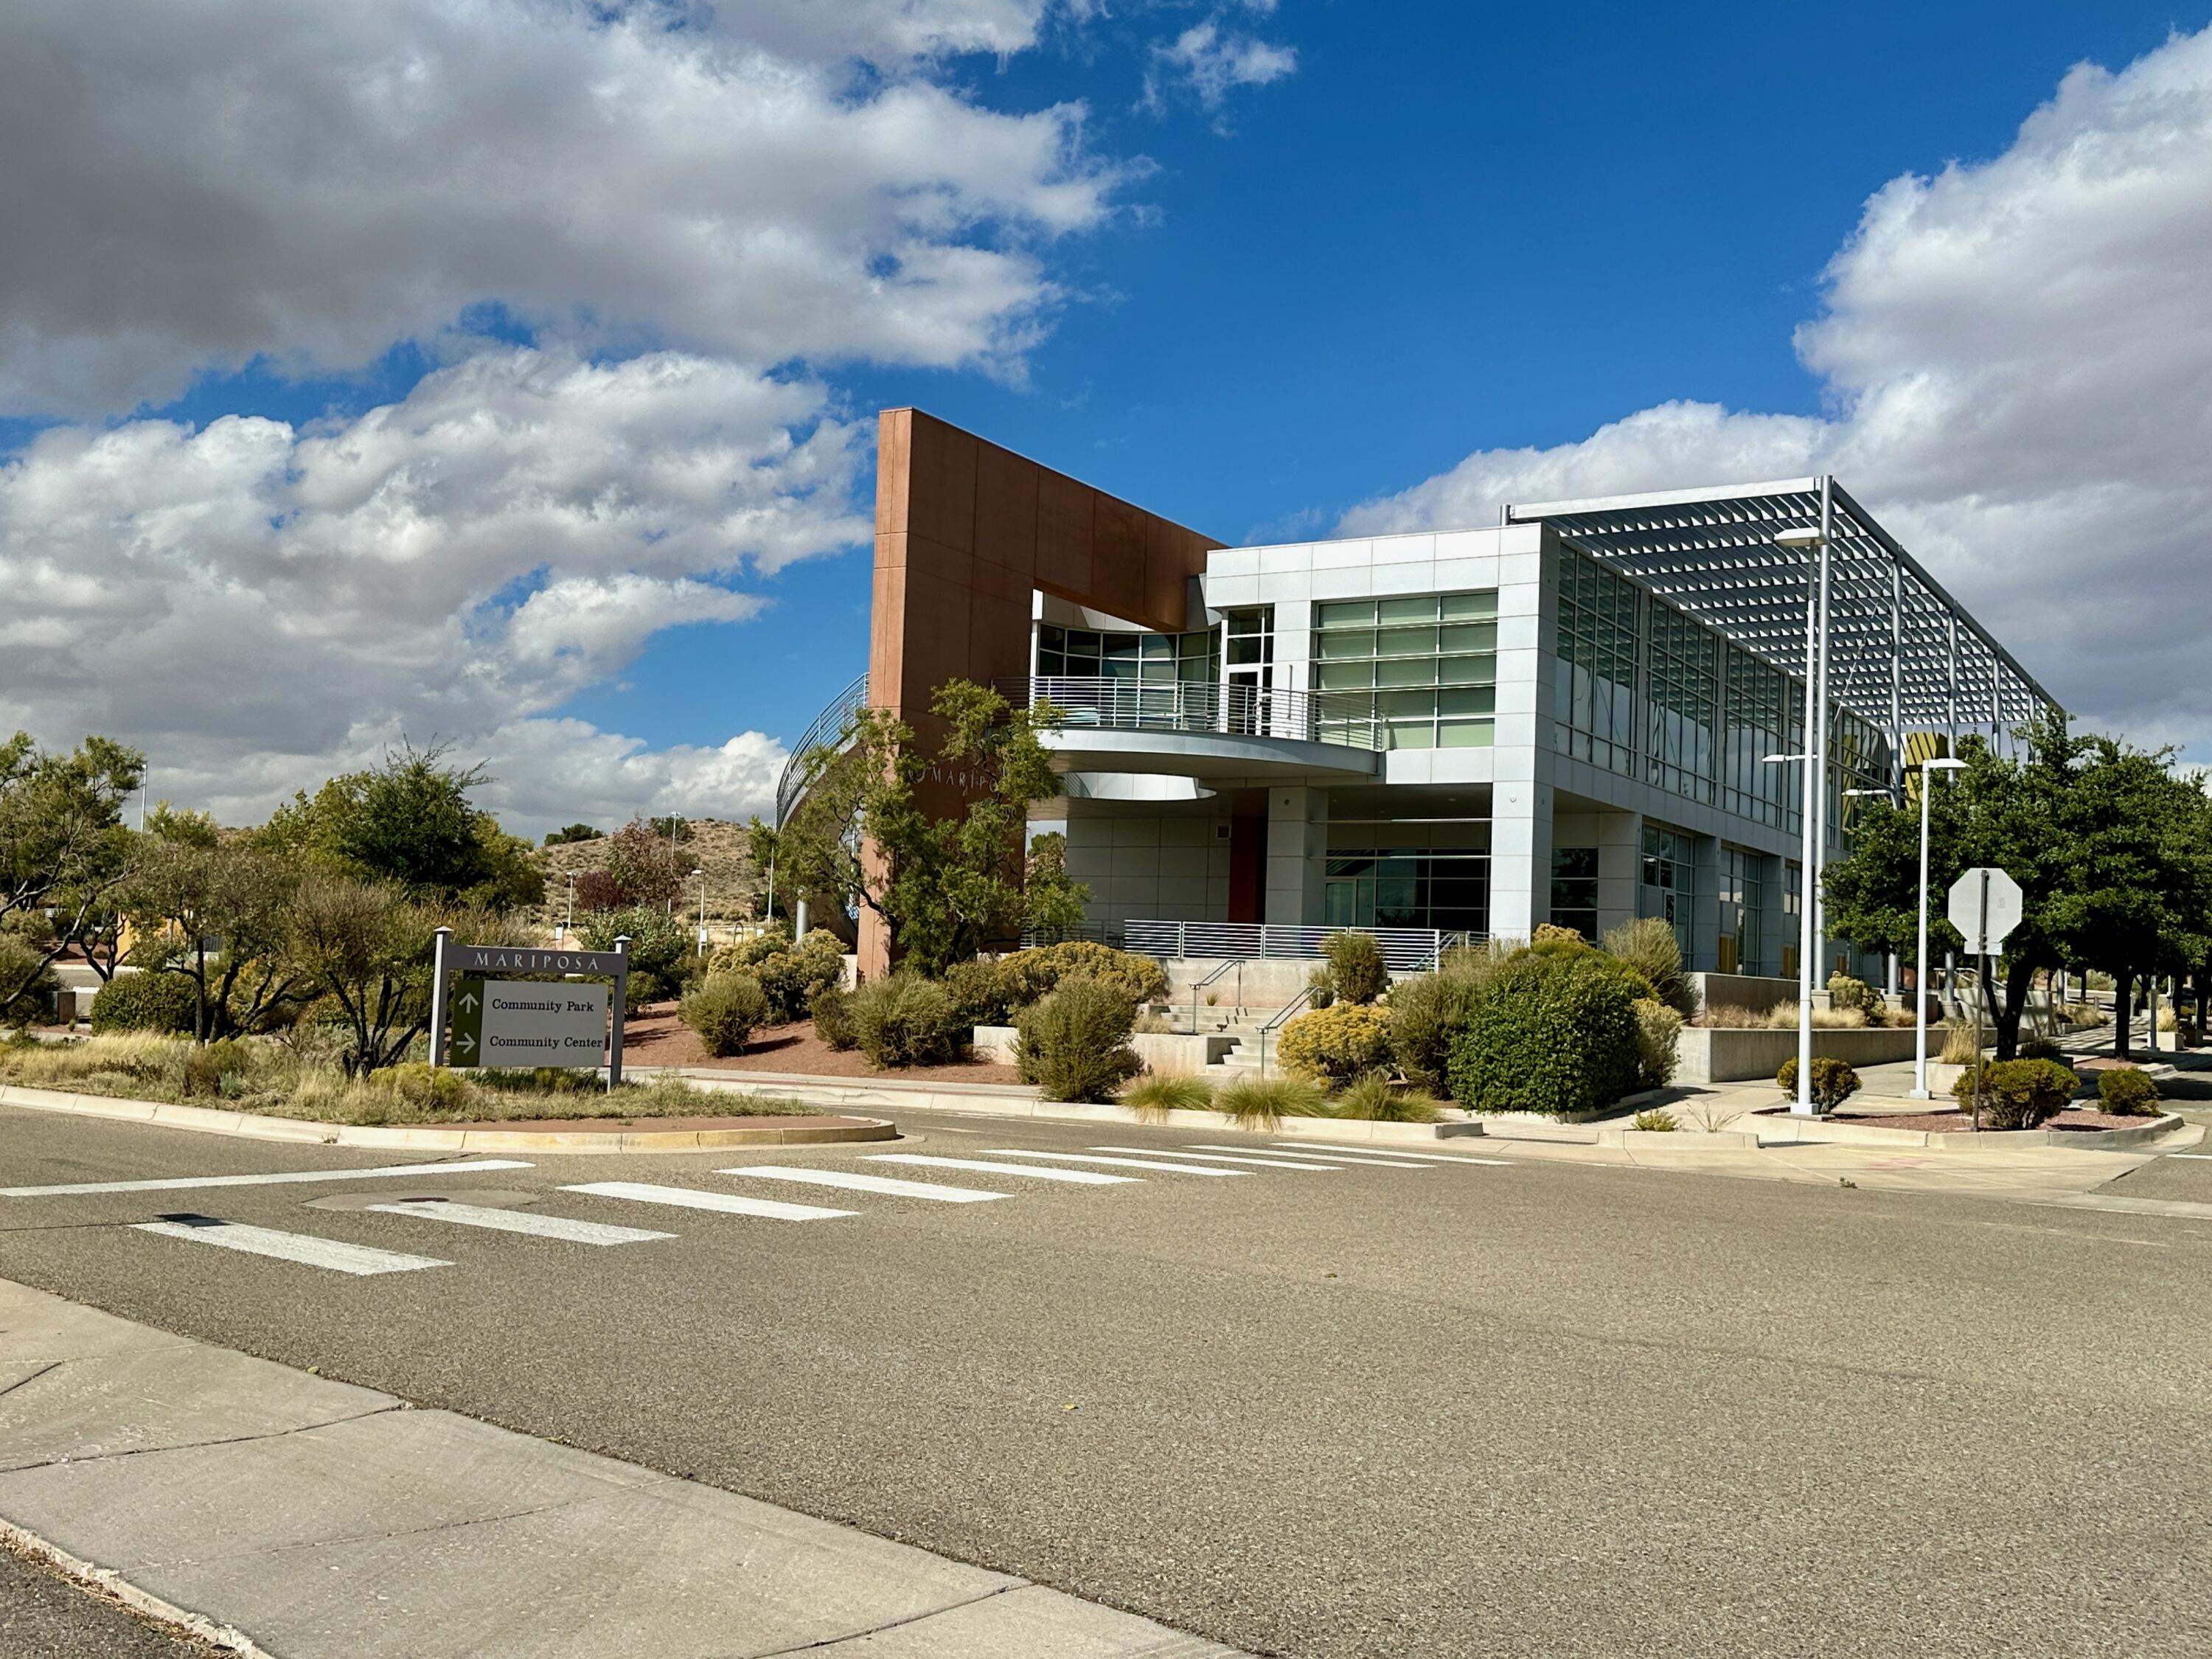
[1707,1055]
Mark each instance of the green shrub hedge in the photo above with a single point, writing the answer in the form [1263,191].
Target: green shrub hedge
[1427,1014]
[1834,1082]
[904,1020]
[144,1002]
[788,975]
[725,1010]
[1074,1044]
[2126,1093]
[2018,1094]
[831,1008]
[1038,972]
[1335,1045]
[1552,1031]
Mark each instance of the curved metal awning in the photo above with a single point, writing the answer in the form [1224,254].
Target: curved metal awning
[1902,652]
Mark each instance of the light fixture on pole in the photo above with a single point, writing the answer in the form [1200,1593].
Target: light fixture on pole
[1940,763]
[1814,543]
[701,875]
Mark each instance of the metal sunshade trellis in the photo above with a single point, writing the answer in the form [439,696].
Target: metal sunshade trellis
[1902,652]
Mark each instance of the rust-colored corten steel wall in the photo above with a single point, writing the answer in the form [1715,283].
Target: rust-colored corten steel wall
[964,532]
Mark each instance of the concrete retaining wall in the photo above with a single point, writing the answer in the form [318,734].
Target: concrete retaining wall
[1742,991]
[1162,1053]
[1704,1055]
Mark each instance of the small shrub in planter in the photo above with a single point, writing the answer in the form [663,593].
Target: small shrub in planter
[2019,1094]
[1833,1081]
[1262,1102]
[1074,1044]
[904,1020]
[1657,1026]
[1336,1044]
[830,1007]
[1153,1097]
[1844,992]
[2126,1093]
[2041,1049]
[1322,986]
[1427,1013]
[143,1002]
[1356,973]
[725,1010]
[1655,1122]
[982,990]
[1554,1033]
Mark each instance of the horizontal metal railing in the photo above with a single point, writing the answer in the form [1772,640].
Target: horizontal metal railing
[1231,708]
[828,727]
[1405,950]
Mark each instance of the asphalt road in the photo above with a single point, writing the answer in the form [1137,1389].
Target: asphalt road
[1537,1409]
[44,1615]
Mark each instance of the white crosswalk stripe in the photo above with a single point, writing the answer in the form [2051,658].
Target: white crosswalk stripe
[855,1181]
[522,1221]
[1337,1160]
[302,1248]
[690,1198]
[1398,1155]
[1222,1157]
[1078,1177]
[177,1183]
[1114,1162]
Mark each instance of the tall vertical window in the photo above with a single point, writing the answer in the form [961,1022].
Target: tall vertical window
[1594,711]
[1574,889]
[1742,911]
[1424,666]
[1765,716]
[1683,706]
[1667,879]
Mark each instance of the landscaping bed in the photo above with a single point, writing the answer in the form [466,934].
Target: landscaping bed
[656,1037]
[1953,1121]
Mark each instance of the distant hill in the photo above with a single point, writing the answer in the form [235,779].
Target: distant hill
[734,886]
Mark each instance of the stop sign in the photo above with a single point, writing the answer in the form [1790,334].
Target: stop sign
[1985,907]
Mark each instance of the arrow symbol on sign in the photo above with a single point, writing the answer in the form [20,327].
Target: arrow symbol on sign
[468,999]
[466,1042]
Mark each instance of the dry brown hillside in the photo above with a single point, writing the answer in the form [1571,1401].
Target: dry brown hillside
[734,885]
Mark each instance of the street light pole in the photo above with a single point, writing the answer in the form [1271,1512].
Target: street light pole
[1814,546]
[702,874]
[1940,763]
[568,917]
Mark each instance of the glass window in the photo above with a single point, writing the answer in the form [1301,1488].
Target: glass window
[1409,887]
[1595,690]
[1682,709]
[1742,911]
[1666,882]
[1574,888]
[1393,650]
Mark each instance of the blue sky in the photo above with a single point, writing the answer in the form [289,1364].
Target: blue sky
[1449,233]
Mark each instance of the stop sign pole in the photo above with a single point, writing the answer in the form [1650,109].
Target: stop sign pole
[1985,907]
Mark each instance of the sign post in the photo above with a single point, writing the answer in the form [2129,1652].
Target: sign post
[1985,907]
[498,1021]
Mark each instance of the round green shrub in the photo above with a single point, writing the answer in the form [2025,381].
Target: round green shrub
[725,1010]
[904,1020]
[1037,972]
[1074,1044]
[2126,1093]
[1834,1082]
[1427,1014]
[788,974]
[1356,972]
[983,989]
[1335,1045]
[831,1008]
[1845,992]
[143,1002]
[2018,1094]
[1551,1032]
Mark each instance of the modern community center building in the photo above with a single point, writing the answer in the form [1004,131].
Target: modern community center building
[1587,712]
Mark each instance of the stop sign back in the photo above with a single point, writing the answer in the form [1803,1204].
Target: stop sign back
[1985,907]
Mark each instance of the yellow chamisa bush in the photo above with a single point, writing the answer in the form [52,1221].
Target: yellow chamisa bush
[1336,1044]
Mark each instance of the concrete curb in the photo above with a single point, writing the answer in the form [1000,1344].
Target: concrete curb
[288,1513]
[430,1137]
[102,1581]
[1003,1100]
[1818,1131]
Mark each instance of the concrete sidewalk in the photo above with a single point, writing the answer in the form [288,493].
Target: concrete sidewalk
[304,1517]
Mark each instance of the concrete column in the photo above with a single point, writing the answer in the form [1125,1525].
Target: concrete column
[1520,857]
[1776,932]
[1620,853]
[1705,905]
[1297,856]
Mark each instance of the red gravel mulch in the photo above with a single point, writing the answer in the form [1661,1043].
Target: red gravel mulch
[1953,1121]
[656,1037]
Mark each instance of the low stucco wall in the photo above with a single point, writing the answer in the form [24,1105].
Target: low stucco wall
[1162,1052]
[1756,993]
[1704,1055]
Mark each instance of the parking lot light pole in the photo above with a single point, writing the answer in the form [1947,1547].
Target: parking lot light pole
[701,875]
[1814,543]
[1940,763]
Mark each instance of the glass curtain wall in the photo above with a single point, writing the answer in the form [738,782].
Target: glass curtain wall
[1423,667]
[1764,716]
[1684,704]
[1594,699]
[1161,681]
[1666,879]
[1742,911]
[1574,889]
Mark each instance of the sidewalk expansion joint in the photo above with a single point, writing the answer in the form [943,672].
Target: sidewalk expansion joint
[51,1365]
[896,1623]
[196,1445]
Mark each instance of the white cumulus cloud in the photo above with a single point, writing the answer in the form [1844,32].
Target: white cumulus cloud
[2016,353]
[1211,60]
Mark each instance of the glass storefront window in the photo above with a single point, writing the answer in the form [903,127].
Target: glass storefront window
[1427,664]
[1409,887]
[1666,879]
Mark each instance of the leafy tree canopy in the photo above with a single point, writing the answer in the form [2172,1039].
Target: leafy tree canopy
[62,846]
[567,833]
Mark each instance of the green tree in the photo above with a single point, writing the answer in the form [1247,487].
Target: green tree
[1051,903]
[63,847]
[947,885]
[217,914]
[643,862]
[567,833]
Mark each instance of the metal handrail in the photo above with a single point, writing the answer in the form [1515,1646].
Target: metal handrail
[828,728]
[1239,966]
[1232,708]
[1282,1017]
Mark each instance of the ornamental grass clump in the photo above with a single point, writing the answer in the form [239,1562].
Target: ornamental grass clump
[1262,1102]
[1648,946]
[1374,1099]
[2019,1094]
[1153,1097]
[904,1020]
[1554,1032]
[1336,1044]
[1833,1081]
[1657,1029]
[2126,1093]
[831,1008]
[725,1010]
[1074,1044]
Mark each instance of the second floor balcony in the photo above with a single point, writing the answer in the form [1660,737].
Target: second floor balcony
[1204,727]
